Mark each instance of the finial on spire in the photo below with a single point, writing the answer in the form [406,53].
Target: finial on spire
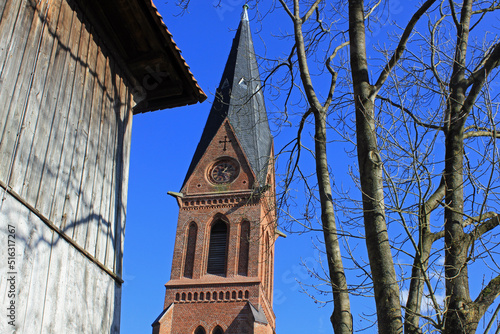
[244,15]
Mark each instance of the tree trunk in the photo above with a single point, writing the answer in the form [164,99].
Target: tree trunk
[457,316]
[457,280]
[416,290]
[421,261]
[341,318]
[370,167]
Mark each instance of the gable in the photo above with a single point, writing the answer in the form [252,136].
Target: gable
[224,147]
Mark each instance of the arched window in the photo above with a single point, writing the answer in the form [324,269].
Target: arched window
[244,248]
[218,330]
[266,263]
[190,250]
[217,249]
[200,330]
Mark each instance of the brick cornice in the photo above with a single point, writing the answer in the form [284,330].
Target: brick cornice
[219,200]
[209,282]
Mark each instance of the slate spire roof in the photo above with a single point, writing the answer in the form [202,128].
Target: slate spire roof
[239,98]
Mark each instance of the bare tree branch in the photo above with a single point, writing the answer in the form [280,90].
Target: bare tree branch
[401,46]
[412,115]
[310,11]
[483,133]
[488,295]
[334,75]
[492,320]
[489,62]
[484,226]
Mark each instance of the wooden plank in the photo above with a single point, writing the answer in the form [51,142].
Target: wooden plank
[108,250]
[67,123]
[75,146]
[87,152]
[17,72]
[124,156]
[88,302]
[66,65]
[103,297]
[107,190]
[93,286]
[31,108]
[127,140]
[62,268]
[94,169]
[33,276]
[3,3]
[56,315]
[120,179]
[41,106]
[66,165]
[35,303]
[115,185]
[62,255]
[11,26]
[116,296]
[13,213]
[74,317]
[94,175]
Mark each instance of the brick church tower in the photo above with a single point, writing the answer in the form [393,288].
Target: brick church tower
[222,269]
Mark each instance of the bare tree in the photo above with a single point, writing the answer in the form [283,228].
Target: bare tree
[454,85]
[418,104]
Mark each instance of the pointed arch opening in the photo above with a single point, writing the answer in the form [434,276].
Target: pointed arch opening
[200,330]
[244,248]
[190,250]
[218,330]
[217,250]
[266,262]
[269,266]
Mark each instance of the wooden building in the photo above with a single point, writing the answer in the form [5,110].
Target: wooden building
[72,74]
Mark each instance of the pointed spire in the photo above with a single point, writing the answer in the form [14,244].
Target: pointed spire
[239,98]
[244,15]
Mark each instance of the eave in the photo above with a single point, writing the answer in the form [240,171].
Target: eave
[135,33]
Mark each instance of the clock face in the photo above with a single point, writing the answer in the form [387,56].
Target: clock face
[224,171]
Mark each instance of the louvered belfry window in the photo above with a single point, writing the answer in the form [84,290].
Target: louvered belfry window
[217,249]
[190,250]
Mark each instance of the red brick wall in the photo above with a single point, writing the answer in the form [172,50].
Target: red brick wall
[204,203]
[232,317]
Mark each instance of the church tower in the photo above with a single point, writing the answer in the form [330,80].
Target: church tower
[222,269]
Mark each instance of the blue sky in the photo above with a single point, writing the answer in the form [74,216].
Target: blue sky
[163,143]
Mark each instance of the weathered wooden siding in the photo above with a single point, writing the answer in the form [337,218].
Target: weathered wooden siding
[65,126]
